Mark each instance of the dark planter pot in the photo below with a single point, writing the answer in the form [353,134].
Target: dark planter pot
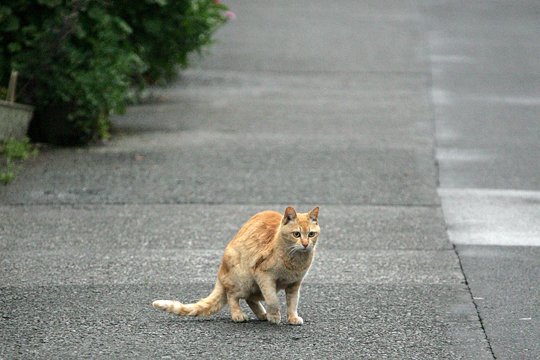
[51,125]
[14,120]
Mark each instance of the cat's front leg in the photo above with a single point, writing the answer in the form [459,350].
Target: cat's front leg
[292,293]
[267,285]
[257,308]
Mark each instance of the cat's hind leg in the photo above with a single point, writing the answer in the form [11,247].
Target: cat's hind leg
[237,315]
[257,308]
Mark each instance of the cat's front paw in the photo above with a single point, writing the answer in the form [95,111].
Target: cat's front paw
[273,318]
[295,320]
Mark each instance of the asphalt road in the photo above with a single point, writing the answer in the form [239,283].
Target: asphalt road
[486,96]
[299,103]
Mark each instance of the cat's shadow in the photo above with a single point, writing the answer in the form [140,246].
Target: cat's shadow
[226,322]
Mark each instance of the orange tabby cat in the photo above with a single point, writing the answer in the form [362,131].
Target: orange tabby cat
[271,252]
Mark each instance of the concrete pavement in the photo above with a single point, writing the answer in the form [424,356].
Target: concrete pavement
[299,103]
[486,86]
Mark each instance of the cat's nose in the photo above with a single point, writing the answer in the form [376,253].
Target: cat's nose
[305,245]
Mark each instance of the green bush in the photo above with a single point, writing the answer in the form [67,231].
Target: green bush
[77,59]
[11,153]
[165,32]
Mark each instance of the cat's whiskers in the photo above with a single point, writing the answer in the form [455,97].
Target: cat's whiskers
[292,250]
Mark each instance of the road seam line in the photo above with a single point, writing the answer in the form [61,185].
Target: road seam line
[474,302]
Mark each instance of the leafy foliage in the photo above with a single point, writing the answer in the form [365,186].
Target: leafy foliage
[77,59]
[165,32]
[12,151]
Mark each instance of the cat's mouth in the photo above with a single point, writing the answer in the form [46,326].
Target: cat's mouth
[299,249]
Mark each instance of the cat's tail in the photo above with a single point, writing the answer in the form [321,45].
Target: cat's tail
[204,307]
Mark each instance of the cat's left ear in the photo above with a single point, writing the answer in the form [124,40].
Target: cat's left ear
[314,214]
[290,214]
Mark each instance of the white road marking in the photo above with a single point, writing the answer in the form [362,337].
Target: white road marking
[441,97]
[492,216]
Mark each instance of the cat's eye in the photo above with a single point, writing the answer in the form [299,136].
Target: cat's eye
[296,234]
[312,234]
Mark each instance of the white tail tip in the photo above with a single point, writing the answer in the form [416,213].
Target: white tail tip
[162,304]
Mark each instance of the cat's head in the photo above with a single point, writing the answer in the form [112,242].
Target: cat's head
[300,230]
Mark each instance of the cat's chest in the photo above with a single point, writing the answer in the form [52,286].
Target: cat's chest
[287,277]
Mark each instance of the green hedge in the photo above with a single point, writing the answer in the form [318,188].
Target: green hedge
[78,59]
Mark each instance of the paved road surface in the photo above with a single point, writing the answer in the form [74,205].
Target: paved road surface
[300,103]
[486,95]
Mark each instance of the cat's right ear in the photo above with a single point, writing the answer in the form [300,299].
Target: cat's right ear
[314,214]
[290,214]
